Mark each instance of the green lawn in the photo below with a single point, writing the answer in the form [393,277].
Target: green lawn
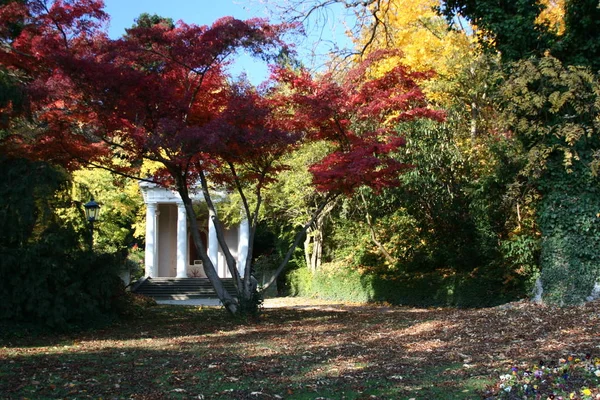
[328,351]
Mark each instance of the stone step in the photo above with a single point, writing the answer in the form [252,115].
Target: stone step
[180,288]
[184,282]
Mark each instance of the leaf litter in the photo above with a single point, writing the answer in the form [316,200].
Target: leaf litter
[301,348]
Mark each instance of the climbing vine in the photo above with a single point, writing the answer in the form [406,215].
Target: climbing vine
[555,112]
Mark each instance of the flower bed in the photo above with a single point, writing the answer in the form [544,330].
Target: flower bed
[573,378]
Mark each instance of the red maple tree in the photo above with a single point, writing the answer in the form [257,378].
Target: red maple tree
[162,93]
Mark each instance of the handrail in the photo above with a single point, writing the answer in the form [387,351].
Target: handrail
[139,283]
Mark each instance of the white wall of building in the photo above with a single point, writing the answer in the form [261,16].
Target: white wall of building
[167,252]
[231,238]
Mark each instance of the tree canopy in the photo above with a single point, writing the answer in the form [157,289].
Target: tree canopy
[162,93]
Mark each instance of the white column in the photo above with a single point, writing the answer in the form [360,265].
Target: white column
[182,259]
[244,238]
[213,243]
[151,251]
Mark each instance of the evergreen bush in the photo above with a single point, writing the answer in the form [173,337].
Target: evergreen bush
[49,283]
[335,281]
[554,110]
[48,275]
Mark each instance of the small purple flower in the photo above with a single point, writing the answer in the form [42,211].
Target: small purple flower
[538,373]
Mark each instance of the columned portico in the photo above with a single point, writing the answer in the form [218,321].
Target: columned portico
[168,253]
[182,246]
[213,242]
[243,241]
[151,264]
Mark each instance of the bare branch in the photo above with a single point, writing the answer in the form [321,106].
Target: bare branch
[298,238]
[365,22]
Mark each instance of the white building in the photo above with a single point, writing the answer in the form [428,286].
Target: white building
[170,251]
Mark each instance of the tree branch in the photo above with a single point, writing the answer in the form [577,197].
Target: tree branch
[379,245]
[231,263]
[297,240]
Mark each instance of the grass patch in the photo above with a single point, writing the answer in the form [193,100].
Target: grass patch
[296,351]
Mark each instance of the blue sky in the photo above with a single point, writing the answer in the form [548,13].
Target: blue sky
[201,12]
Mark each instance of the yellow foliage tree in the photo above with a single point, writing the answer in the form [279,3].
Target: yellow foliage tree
[420,33]
[553,15]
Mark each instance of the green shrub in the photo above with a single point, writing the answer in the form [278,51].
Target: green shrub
[135,263]
[299,282]
[48,277]
[426,289]
[47,284]
[335,281]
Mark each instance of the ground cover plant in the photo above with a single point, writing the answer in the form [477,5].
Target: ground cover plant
[570,378]
[307,350]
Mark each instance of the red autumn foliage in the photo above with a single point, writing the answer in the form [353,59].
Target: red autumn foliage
[162,93]
[157,93]
[360,116]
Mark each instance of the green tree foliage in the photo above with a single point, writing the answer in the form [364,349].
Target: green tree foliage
[462,226]
[515,29]
[580,44]
[509,181]
[46,276]
[493,159]
[146,20]
[459,224]
[554,111]
[552,108]
[450,226]
[28,200]
[292,200]
[508,26]
[121,217]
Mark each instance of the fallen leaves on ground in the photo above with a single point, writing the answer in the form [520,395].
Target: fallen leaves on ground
[301,348]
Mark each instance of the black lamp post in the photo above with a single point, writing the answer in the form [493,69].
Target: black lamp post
[92,209]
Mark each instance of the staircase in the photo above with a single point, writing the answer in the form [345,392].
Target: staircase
[181,288]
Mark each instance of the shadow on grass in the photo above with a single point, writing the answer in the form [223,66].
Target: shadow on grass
[295,353]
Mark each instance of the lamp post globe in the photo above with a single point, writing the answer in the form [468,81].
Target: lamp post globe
[92,209]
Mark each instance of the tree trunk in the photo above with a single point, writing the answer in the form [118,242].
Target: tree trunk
[229,260]
[382,249]
[307,252]
[313,244]
[230,303]
[317,253]
[327,202]
[246,286]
